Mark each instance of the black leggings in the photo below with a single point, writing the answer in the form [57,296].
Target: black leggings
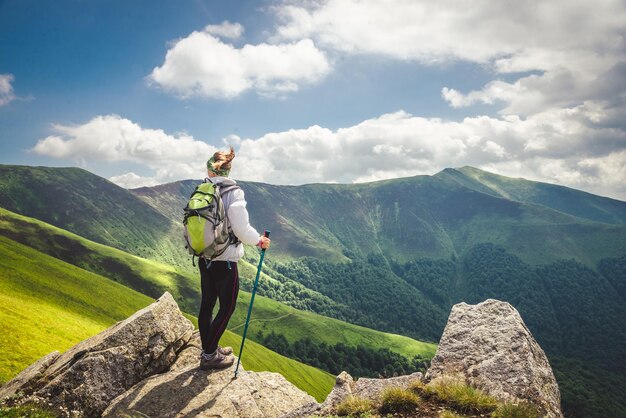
[219,279]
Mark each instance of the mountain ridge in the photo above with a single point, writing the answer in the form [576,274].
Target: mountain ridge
[532,193]
[439,203]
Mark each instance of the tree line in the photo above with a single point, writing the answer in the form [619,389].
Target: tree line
[358,361]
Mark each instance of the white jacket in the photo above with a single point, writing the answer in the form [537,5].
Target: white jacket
[235,205]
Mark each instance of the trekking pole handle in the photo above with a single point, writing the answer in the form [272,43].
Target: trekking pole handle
[266,234]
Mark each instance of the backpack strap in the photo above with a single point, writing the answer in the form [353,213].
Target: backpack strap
[232,237]
[228,189]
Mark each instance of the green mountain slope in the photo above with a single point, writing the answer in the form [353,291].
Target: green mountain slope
[88,205]
[425,216]
[436,216]
[47,304]
[344,241]
[153,278]
[564,199]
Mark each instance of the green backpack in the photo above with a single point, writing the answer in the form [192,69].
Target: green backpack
[206,228]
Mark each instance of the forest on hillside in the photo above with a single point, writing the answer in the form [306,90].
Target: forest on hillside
[334,358]
[575,313]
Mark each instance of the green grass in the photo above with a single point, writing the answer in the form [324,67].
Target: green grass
[451,397]
[354,406]
[450,414]
[148,277]
[399,400]
[47,305]
[269,315]
[26,410]
[519,410]
[153,278]
[459,395]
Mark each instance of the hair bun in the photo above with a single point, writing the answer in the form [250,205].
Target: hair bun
[222,159]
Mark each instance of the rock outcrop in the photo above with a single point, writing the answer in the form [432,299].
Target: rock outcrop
[489,346]
[191,392]
[88,376]
[185,390]
[147,365]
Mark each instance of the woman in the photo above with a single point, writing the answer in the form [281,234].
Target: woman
[219,276]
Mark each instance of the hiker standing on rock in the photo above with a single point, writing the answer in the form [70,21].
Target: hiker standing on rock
[219,275]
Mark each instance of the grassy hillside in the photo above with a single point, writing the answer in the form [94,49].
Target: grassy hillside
[47,305]
[153,278]
[438,216]
[91,206]
[564,199]
[295,325]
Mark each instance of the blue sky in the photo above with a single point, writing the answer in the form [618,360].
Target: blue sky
[331,91]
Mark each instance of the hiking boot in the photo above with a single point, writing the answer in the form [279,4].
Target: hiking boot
[216,361]
[227,351]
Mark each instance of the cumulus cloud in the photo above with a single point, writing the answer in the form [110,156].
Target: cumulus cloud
[201,64]
[112,138]
[225,30]
[6,89]
[566,146]
[556,146]
[441,31]
[131,180]
[558,84]
[569,47]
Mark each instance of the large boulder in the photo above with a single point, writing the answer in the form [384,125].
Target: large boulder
[88,376]
[189,391]
[489,346]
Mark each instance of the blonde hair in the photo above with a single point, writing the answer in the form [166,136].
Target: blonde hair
[221,160]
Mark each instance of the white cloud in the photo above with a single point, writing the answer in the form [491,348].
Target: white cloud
[203,65]
[6,89]
[131,180]
[566,146]
[225,30]
[112,138]
[559,146]
[605,176]
[491,93]
[428,31]
[569,46]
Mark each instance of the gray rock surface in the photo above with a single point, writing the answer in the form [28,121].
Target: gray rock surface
[342,389]
[365,388]
[368,388]
[490,347]
[88,376]
[191,392]
[190,354]
[147,365]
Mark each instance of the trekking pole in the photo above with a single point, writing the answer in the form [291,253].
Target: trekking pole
[256,282]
